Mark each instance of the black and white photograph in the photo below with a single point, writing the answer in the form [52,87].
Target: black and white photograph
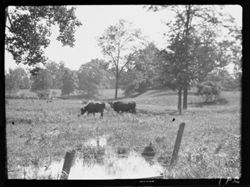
[103,92]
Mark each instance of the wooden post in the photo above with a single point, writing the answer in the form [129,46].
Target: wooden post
[177,144]
[68,162]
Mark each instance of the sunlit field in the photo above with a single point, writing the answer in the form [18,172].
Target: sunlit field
[40,133]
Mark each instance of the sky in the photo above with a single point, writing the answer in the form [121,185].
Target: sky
[95,19]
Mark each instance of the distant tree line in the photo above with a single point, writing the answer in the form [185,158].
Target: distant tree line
[87,80]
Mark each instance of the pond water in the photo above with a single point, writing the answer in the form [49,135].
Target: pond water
[100,161]
[99,141]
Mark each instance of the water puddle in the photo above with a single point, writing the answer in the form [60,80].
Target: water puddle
[98,160]
[99,141]
[134,166]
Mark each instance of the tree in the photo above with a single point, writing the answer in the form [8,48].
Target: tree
[16,79]
[222,77]
[68,82]
[11,82]
[189,21]
[141,72]
[54,69]
[105,72]
[28,29]
[42,81]
[173,73]
[26,83]
[89,76]
[23,78]
[119,43]
[207,56]
[235,56]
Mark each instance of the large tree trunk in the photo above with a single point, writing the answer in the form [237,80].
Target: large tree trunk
[116,82]
[187,27]
[116,88]
[185,95]
[179,101]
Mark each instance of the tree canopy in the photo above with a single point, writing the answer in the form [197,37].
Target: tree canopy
[119,42]
[192,36]
[28,29]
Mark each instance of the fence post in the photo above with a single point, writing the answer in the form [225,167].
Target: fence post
[68,161]
[177,144]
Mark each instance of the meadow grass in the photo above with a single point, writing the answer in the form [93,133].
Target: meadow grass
[38,132]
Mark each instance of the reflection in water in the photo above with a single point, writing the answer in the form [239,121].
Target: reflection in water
[134,166]
[149,153]
[101,163]
[149,159]
[100,141]
[122,152]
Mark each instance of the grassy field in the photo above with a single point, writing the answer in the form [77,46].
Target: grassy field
[38,131]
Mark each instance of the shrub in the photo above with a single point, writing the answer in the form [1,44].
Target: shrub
[208,90]
[43,94]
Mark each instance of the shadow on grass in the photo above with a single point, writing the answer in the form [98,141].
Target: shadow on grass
[219,101]
[169,112]
[167,92]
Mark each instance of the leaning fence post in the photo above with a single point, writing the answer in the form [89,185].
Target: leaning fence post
[177,144]
[68,162]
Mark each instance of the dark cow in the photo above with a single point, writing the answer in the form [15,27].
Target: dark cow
[123,107]
[93,108]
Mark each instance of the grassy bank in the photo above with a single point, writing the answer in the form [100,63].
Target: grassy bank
[38,131]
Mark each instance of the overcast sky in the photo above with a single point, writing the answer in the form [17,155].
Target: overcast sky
[96,19]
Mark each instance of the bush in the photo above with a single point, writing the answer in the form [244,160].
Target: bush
[136,87]
[54,93]
[209,91]
[43,94]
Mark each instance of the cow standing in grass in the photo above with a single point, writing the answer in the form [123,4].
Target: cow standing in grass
[123,107]
[93,108]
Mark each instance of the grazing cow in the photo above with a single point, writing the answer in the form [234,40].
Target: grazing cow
[93,108]
[123,107]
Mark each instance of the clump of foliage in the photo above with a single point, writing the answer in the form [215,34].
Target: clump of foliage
[29,27]
[41,81]
[68,82]
[16,79]
[209,91]
[141,72]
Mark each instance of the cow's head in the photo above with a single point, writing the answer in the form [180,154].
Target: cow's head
[103,105]
[132,106]
[83,110]
[111,104]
